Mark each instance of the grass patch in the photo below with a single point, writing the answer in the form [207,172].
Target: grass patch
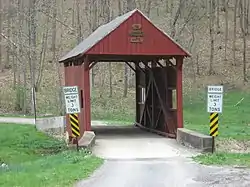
[36,159]
[234,122]
[235,159]
[113,109]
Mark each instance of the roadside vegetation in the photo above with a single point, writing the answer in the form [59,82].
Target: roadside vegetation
[29,158]
[225,158]
[233,142]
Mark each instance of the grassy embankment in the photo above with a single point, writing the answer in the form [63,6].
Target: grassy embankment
[35,159]
[234,128]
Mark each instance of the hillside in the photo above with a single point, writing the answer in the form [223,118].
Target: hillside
[189,23]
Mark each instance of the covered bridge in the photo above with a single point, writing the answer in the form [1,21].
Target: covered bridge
[154,56]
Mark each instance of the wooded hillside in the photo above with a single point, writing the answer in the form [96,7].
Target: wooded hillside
[34,34]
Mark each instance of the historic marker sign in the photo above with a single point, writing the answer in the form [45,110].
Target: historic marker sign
[71,96]
[136,34]
[214,99]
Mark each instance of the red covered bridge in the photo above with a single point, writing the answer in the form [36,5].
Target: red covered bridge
[156,59]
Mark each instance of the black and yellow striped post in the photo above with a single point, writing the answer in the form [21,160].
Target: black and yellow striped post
[75,127]
[214,126]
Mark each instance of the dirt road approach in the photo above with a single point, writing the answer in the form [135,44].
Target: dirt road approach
[135,158]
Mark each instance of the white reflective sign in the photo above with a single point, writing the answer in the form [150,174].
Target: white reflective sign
[214,103]
[71,99]
[215,89]
[214,99]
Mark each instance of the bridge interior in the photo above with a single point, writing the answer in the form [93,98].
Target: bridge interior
[155,93]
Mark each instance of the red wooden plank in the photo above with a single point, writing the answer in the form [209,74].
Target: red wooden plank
[179,63]
[86,102]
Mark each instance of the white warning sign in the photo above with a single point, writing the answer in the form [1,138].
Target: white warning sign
[215,99]
[71,96]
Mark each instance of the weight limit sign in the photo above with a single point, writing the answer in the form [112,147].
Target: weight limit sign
[214,124]
[74,125]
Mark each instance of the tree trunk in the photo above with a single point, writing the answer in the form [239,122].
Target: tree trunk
[197,65]
[44,50]
[73,13]
[226,29]
[148,8]
[167,6]
[79,28]
[110,80]
[247,16]
[32,51]
[53,45]
[235,32]
[22,68]
[175,18]
[211,29]
[218,16]
[1,30]
[244,33]
[119,8]
[13,50]
[7,62]
[125,92]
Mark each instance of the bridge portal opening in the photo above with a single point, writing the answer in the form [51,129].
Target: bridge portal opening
[113,94]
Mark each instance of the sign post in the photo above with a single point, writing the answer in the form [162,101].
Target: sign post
[214,107]
[71,96]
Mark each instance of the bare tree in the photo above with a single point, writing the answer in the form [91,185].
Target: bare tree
[211,31]
[7,62]
[243,18]
[73,12]
[45,43]
[32,50]
[54,33]
[79,27]
[13,49]
[235,32]
[175,18]
[218,16]
[226,28]
[1,19]
[23,66]
[148,7]
[119,3]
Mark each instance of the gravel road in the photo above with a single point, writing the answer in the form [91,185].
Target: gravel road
[174,172]
[138,159]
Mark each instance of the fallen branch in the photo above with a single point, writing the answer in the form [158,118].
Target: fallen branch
[7,38]
[240,101]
